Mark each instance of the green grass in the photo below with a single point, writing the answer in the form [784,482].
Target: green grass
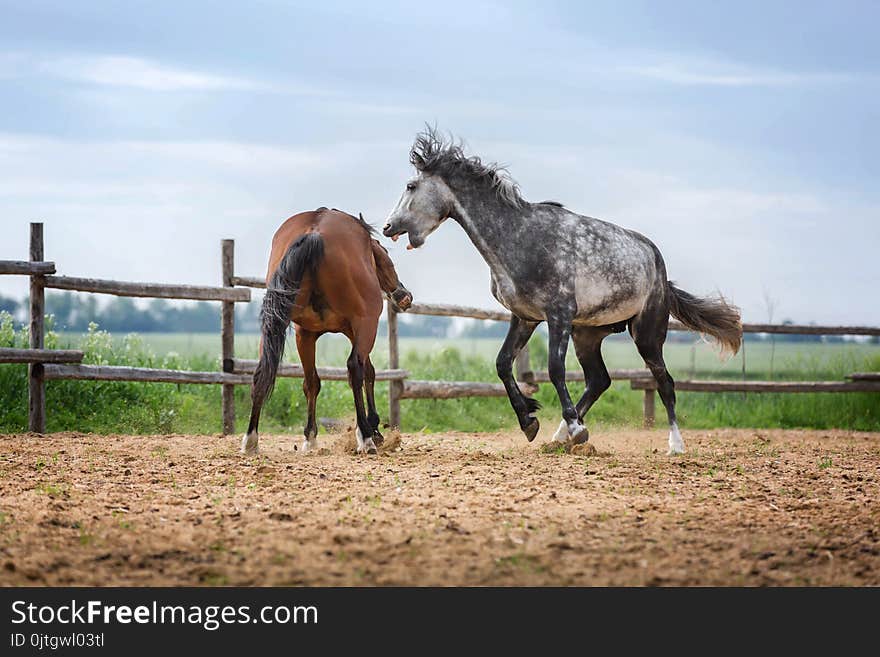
[112,407]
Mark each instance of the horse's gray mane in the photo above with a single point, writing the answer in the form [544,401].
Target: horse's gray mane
[433,153]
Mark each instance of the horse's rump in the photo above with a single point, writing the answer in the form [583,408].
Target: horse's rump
[344,283]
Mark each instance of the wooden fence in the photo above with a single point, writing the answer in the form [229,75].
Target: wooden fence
[48,364]
[639,379]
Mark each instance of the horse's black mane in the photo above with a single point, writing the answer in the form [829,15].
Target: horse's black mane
[433,153]
[367,227]
[358,220]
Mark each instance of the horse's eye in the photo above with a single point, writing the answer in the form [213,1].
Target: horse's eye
[410,186]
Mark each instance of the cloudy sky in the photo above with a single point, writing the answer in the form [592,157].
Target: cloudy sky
[742,139]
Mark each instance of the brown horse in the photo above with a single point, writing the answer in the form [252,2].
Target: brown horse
[326,275]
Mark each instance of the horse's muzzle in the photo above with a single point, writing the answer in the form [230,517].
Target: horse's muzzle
[388,230]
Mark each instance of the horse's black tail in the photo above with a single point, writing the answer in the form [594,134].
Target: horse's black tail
[712,315]
[303,256]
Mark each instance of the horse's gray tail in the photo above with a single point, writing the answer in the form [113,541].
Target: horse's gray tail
[303,256]
[712,315]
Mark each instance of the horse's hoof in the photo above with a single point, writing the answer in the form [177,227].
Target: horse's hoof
[250,443]
[676,444]
[378,438]
[532,429]
[368,447]
[580,436]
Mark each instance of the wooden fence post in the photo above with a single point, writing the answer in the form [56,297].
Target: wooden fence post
[649,407]
[227,336]
[395,388]
[36,371]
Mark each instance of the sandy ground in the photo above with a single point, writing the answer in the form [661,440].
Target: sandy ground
[742,507]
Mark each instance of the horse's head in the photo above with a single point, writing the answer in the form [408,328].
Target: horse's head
[425,204]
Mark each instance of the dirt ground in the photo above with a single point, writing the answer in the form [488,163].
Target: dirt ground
[742,507]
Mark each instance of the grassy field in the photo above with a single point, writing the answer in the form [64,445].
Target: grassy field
[147,408]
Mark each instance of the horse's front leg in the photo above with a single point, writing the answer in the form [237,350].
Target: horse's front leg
[525,407]
[559,327]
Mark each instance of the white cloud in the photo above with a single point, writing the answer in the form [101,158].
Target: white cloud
[139,73]
[119,71]
[726,75]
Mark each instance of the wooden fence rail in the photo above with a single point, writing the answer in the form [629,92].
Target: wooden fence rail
[864,376]
[249,281]
[8,355]
[295,370]
[413,389]
[26,268]
[153,290]
[790,329]
[143,374]
[62,364]
[764,386]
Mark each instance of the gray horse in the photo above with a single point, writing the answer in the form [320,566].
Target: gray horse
[585,277]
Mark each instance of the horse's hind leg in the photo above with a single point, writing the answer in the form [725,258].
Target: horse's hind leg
[362,340]
[649,332]
[251,440]
[305,345]
[259,392]
[369,388]
[588,347]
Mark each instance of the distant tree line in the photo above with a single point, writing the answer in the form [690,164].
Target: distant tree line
[74,312]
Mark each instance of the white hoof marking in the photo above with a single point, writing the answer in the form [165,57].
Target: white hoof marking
[250,442]
[561,434]
[676,444]
[309,445]
[365,446]
[369,447]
